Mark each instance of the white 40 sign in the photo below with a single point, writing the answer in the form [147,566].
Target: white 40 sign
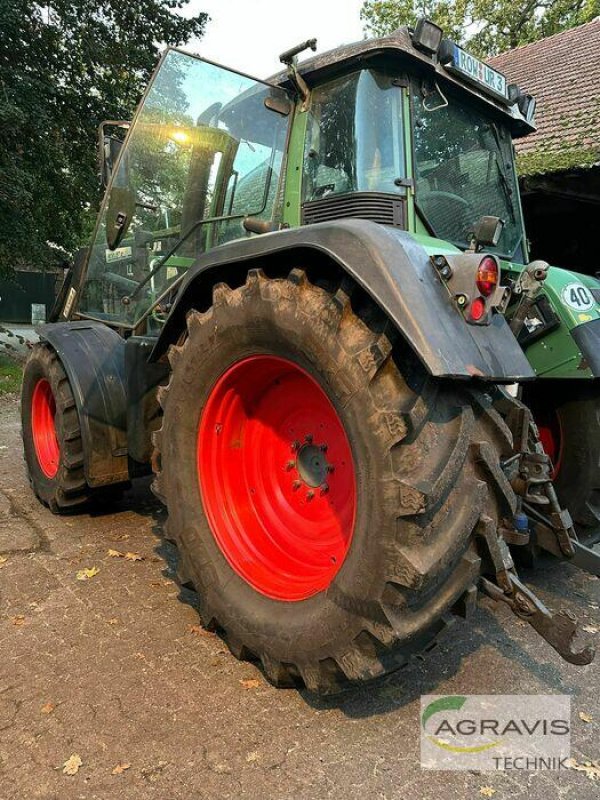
[576,296]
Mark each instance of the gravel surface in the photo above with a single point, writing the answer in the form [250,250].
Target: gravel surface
[116,670]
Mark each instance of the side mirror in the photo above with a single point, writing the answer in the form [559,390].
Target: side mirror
[109,146]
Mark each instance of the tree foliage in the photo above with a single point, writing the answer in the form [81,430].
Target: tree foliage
[485,27]
[64,67]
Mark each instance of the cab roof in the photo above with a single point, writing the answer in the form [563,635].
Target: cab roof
[398,51]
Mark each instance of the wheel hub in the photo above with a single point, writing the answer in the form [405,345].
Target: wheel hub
[312,465]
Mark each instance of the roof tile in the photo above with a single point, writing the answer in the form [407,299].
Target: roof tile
[563,73]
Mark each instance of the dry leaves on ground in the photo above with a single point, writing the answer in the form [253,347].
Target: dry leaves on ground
[591,629]
[87,573]
[72,764]
[120,769]
[250,683]
[129,556]
[3,560]
[487,791]
[18,620]
[585,717]
[591,768]
[47,708]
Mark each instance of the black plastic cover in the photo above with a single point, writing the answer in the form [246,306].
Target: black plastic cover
[93,356]
[587,338]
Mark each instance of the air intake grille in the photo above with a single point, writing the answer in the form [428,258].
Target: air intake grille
[387,209]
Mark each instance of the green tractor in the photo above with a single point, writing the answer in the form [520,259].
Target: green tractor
[293,312]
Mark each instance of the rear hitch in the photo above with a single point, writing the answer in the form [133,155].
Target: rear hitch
[526,483]
[559,630]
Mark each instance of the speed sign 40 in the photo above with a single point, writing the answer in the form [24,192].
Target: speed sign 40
[577,297]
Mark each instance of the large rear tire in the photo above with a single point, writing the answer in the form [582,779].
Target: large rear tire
[280,388]
[568,418]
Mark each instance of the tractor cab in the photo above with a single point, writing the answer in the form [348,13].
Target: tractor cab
[416,133]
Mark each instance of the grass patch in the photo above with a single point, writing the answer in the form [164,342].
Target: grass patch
[11,375]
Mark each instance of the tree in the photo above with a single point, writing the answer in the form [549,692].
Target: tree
[64,67]
[485,27]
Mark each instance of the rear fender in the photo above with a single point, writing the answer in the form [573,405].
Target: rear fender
[392,268]
[93,356]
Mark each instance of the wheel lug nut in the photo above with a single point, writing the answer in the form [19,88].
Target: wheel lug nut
[295,445]
[323,448]
[324,488]
[290,465]
[309,496]
[309,438]
[330,468]
[296,485]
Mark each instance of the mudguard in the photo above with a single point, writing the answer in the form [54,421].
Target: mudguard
[587,339]
[393,268]
[93,356]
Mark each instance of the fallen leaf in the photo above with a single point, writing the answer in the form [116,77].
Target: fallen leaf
[3,560]
[113,621]
[47,708]
[487,791]
[120,769]
[114,553]
[591,768]
[134,557]
[250,683]
[72,764]
[591,629]
[585,717]
[18,620]
[87,573]
[197,630]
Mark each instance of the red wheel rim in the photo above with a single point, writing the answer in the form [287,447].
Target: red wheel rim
[276,477]
[548,424]
[43,411]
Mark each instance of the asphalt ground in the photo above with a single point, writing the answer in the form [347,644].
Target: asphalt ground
[116,670]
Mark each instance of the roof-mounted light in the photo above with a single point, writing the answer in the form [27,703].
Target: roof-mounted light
[525,102]
[427,36]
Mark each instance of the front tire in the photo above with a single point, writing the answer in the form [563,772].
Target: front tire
[52,440]
[568,417]
[347,602]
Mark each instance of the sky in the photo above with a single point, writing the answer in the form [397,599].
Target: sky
[249,35]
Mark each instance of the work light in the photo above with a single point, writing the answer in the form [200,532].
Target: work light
[427,36]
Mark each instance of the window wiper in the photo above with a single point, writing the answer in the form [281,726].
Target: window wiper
[508,190]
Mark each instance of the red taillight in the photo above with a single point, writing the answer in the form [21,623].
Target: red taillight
[477,309]
[487,276]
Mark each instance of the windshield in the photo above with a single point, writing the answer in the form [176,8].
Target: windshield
[464,169]
[204,151]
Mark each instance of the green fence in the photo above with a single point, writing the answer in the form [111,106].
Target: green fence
[24,289]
